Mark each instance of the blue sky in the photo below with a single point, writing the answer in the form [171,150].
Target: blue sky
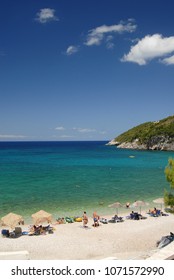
[84,70]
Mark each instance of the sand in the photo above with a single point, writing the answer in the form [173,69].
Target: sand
[130,239]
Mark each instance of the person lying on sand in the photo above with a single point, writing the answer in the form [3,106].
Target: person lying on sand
[60,221]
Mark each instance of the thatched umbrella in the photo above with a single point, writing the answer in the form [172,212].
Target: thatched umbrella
[41,217]
[160,201]
[139,203]
[11,220]
[115,205]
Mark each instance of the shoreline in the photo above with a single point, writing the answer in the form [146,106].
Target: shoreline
[130,239]
[102,210]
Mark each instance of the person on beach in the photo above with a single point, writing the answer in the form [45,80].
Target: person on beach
[127,205]
[85,219]
[60,221]
[96,219]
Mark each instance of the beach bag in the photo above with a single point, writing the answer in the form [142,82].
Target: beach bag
[5,232]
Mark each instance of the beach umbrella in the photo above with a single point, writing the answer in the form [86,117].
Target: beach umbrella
[41,217]
[115,205]
[160,201]
[139,203]
[11,220]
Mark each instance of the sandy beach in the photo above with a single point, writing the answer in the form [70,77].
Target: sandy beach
[130,239]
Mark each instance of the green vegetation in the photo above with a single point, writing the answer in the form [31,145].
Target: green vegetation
[144,132]
[169,173]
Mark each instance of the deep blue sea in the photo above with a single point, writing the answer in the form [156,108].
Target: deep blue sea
[66,178]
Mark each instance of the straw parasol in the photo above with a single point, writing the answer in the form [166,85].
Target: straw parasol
[160,201]
[11,220]
[41,217]
[139,203]
[115,205]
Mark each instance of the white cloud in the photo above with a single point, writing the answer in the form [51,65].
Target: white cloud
[168,60]
[46,15]
[71,50]
[151,47]
[60,128]
[10,136]
[96,35]
[102,132]
[66,136]
[84,130]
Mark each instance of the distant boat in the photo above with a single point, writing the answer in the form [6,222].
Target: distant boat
[131,156]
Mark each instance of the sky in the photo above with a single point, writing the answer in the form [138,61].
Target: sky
[84,70]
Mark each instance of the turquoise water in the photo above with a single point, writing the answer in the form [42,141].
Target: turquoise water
[69,177]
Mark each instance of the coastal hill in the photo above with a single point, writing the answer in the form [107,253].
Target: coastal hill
[157,135]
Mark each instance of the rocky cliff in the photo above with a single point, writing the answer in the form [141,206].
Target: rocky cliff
[158,135]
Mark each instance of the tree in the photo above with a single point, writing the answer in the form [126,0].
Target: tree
[169,173]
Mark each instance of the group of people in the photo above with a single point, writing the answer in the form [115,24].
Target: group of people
[60,220]
[155,212]
[39,230]
[96,219]
[134,216]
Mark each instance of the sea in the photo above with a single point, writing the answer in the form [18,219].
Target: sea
[67,178]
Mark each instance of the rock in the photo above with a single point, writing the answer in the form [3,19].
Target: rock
[113,143]
[159,143]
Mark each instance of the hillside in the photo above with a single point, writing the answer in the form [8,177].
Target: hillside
[157,135]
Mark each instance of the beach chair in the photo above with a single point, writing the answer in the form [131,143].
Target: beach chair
[158,213]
